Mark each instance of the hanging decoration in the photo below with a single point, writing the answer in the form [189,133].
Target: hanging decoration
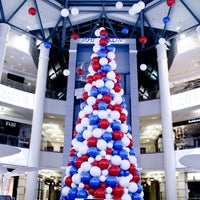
[32,11]
[74,36]
[80,71]
[143,39]
[170,3]
[166,20]
[125,30]
[102,163]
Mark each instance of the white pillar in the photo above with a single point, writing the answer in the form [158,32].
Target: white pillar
[37,121]
[166,118]
[4,31]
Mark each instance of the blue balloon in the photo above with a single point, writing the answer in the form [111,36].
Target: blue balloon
[102,48]
[121,173]
[139,190]
[107,136]
[93,119]
[125,30]
[118,145]
[126,172]
[94,182]
[115,152]
[73,170]
[110,48]
[166,20]
[85,177]
[93,152]
[82,193]
[106,68]
[111,181]
[102,105]
[79,137]
[123,154]
[104,90]
[101,54]
[72,193]
[129,128]
[116,125]
[71,160]
[83,104]
[136,196]
[94,92]
[132,151]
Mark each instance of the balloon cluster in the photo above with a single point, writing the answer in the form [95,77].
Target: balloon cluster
[102,161]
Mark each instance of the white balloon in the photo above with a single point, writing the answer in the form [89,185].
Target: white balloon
[79,127]
[64,12]
[116,160]
[90,159]
[83,149]
[126,197]
[98,158]
[117,99]
[126,190]
[133,160]
[96,48]
[124,181]
[108,157]
[109,196]
[131,11]
[87,134]
[99,96]
[125,164]
[133,187]
[110,144]
[90,70]
[87,87]
[81,185]
[81,114]
[90,196]
[88,109]
[76,178]
[97,132]
[102,178]
[113,64]
[85,166]
[109,84]
[75,11]
[85,122]
[91,100]
[119,5]
[115,115]
[136,8]
[65,191]
[141,4]
[109,190]
[99,83]
[111,75]
[125,140]
[66,72]
[96,40]
[110,120]
[67,171]
[95,112]
[142,194]
[103,61]
[73,185]
[103,153]
[125,111]
[79,171]
[93,55]
[95,171]
[89,128]
[97,33]
[112,103]
[124,128]
[102,114]
[101,144]
[111,55]
[105,172]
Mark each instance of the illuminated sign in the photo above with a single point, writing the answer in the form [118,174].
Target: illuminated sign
[111,40]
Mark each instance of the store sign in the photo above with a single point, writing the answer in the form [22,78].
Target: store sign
[16,97]
[111,40]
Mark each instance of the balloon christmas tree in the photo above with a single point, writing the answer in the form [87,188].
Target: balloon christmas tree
[102,161]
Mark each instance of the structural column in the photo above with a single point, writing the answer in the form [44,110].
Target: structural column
[4,31]
[37,121]
[166,119]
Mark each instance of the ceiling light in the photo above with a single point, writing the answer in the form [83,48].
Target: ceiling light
[143,67]
[75,11]
[66,72]
[64,12]
[119,5]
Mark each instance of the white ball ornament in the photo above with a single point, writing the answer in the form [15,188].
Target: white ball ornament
[124,128]
[87,87]
[113,64]
[79,127]
[103,61]
[95,171]
[65,191]
[87,134]
[124,181]
[119,5]
[97,132]
[125,165]
[133,187]
[76,179]
[102,178]
[133,160]
[102,114]
[116,160]
[99,96]
[110,144]
[85,122]
[81,114]
[75,11]
[103,153]
[90,159]
[109,84]
[88,109]
[99,83]
[125,141]
[81,185]
[104,172]
[83,149]
[98,158]
[115,115]
[73,185]
[108,157]
[91,100]
[126,197]
[109,190]
[117,99]
[64,12]
[101,144]
[85,166]
[89,128]
[111,75]
[111,55]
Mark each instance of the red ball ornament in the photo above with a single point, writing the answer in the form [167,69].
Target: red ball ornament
[118,190]
[95,59]
[118,108]
[80,71]
[32,11]
[103,163]
[117,87]
[117,135]
[132,168]
[96,66]
[99,193]
[68,181]
[97,76]
[103,74]
[103,41]
[104,33]
[104,123]
[143,39]
[170,2]
[116,198]
[91,191]
[72,152]
[109,151]
[136,178]
[86,186]
[92,141]
[107,98]
[85,96]
[110,107]
[122,117]
[89,79]
[103,185]
[131,143]
[95,107]
[85,157]
[74,36]
[78,161]
[118,76]
[95,163]
[114,170]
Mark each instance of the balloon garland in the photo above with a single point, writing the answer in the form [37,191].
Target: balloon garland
[102,161]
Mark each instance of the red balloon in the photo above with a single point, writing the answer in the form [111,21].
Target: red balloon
[80,71]
[96,66]
[86,186]
[68,181]
[95,107]
[118,108]
[110,107]
[136,178]
[92,141]
[75,133]
[97,76]
[109,151]
[89,79]
[91,191]
[117,135]
[118,76]
[122,117]
[104,123]
[74,36]
[131,143]
[32,11]
[107,98]
[85,96]
[104,33]
[103,163]
[114,170]
[103,185]
[72,152]
[99,193]
[132,168]
[170,2]
[116,198]
[78,161]
[95,59]
[103,74]
[143,39]
[117,87]
[103,41]
[85,157]
[95,163]
[118,190]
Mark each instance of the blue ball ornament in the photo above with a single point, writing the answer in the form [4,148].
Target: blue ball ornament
[85,177]
[82,193]
[104,90]
[166,20]
[126,172]
[125,30]
[107,136]
[121,173]
[94,92]
[111,181]
[79,137]
[101,54]
[93,152]
[72,193]
[102,105]
[123,154]
[83,104]
[115,152]
[71,160]
[95,182]
[110,48]
[116,125]
[73,170]
[106,68]
[93,119]
[118,145]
